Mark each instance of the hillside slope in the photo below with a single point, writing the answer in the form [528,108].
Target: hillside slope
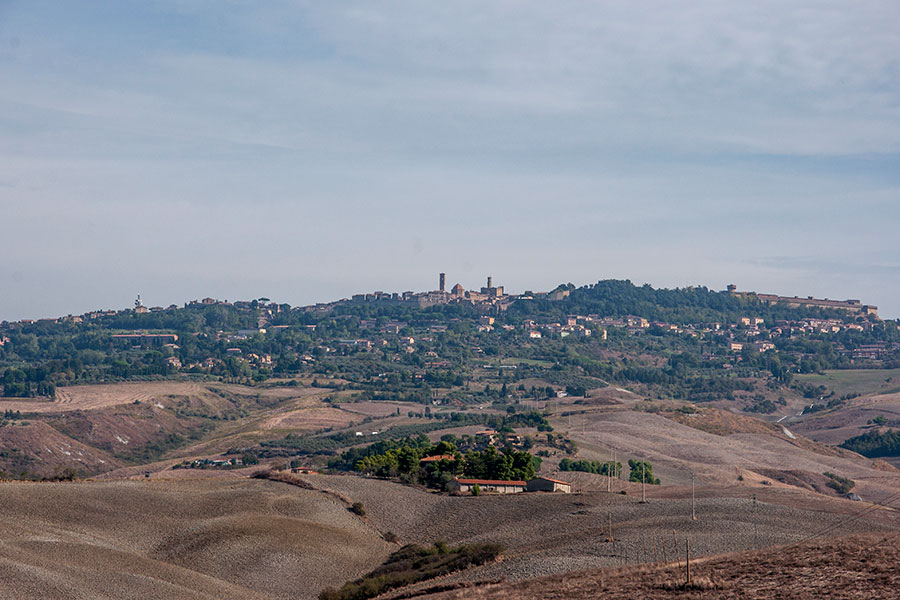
[179,540]
[857,567]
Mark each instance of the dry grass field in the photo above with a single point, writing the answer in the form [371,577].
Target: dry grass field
[861,381]
[842,423]
[559,533]
[90,397]
[190,533]
[310,419]
[380,409]
[49,452]
[676,450]
[222,539]
[230,537]
[855,567]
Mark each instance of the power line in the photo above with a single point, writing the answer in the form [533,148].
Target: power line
[866,511]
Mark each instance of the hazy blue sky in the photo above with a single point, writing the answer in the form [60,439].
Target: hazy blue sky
[305,151]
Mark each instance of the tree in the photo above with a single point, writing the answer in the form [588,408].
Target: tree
[641,470]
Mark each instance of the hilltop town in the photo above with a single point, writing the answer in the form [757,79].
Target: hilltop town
[261,339]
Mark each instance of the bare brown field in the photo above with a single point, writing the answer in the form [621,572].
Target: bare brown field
[231,537]
[306,420]
[379,409]
[559,533]
[845,422]
[89,397]
[677,450]
[49,452]
[853,567]
[178,539]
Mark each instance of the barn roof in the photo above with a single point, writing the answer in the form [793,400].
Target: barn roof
[553,480]
[490,482]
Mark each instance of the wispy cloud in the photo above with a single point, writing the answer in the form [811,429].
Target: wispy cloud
[352,144]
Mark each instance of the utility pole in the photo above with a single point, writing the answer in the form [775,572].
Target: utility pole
[693,512]
[609,475]
[755,520]
[615,468]
[643,484]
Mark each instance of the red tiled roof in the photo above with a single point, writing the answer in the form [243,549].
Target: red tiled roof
[554,480]
[489,482]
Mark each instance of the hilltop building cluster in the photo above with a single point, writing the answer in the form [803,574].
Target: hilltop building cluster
[851,306]
[488,297]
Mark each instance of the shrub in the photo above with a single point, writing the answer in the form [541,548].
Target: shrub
[411,564]
[841,485]
[358,509]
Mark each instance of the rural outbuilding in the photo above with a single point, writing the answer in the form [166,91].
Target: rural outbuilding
[486,485]
[545,484]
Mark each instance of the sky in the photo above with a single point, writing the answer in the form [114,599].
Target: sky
[307,151]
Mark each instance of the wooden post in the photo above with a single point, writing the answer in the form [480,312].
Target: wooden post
[664,553]
[610,538]
[687,564]
[655,551]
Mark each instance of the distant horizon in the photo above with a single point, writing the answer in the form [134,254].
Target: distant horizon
[450,283]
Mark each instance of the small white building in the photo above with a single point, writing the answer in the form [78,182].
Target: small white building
[545,484]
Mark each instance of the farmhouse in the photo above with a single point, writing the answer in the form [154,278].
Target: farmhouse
[486,485]
[545,484]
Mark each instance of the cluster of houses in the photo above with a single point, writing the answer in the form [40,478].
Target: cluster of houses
[575,325]
[208,463]
[876,351]
[748,331]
